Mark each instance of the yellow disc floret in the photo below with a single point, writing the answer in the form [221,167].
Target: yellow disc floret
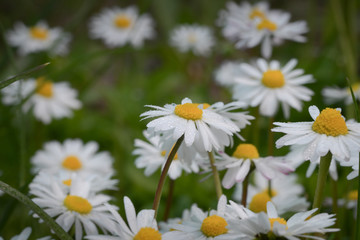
[122,21]
[77,204]
[259,201]
[163,153]
[72,163]
[273,79]
[39,33]
[279,220]
[330,122]
[67,182]
[189,111]
[256,13]
[147,233]
[44,87]
[266,24]
[213,226]
[352,195]
[246,150]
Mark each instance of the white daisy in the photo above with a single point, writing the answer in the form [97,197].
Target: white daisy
[195,38]
[335,94]
[300,225]
[328,132]
[76,208]
[38,38]
[73,156]
[203,127]
[284,190]
[141,226]
[47,99]
[167,226]
[153,155]
[119,26]
[245,157]
[226,74]
[204,225]
[267,84]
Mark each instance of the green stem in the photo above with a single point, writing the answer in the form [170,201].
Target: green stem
[320,185]
[269,188]
[217,181]
[357,233]
[169,199]
[39,211]
[164,174]
[245,185]
[334,196]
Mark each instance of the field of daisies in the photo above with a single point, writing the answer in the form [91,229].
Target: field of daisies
[179,120]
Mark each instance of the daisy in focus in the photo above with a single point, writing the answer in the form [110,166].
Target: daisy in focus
[119,26]
[195,38]
[335,94]
[271,225]
[268,85]
[38,38]
[47,99]
[249,26]
[203,126]
[72,156]
[285,194]
[245,158]
[78,208]
[329,132]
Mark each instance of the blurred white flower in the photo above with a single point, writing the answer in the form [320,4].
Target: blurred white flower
[267,84]
[335,94]
[227,73]
[49,100]
[119,26]
[73,156]
[38,38]
[195,38]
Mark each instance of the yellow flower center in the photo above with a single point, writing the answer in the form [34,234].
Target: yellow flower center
[213,226]
[77,204]
[256,13]
[246,150]
[259,201]
[330,122]
[72,163]
[355,87]
[122,21]
[352,195]
[147,233]
[163,153]
[67,182]
[266,24]
[44,87]
[273,79]
[189,111]
[39,33]
[279,220]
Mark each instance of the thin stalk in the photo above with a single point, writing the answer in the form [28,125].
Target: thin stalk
[245,185]
[357,233]
[39,211]
[164,174]
[270,148]
[334,196]
[269,188]
[321,181]
[217,181]
[169,199]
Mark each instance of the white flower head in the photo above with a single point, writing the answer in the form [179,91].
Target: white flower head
[202,125]
[73,156]
[38,38]
[268,84]
[226,74]
[48,100]
[119,26]
[329,132]
[335,94]
[195,38]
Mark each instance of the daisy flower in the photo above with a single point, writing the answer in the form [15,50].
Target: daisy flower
[153,155]
[226,74]
[335,94]
[38,38]
[285,194]
[119,26]
[195,38]
[77,207]
[73,156]
[49,100]
[267,84]
[300,225]
[204,225]
[245,157]
[206,128]
[167,226]
[329,132]
[141,226]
